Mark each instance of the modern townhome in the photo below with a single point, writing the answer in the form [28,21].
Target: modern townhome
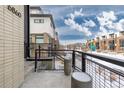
[113,42]
[103,43]
[98,43]
[42,30]
[120,44]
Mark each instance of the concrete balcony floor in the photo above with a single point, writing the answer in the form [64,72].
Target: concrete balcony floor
[47,79]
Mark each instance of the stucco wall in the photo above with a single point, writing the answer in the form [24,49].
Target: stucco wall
[41,27]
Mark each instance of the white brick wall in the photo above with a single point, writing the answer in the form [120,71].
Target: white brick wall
[11,47]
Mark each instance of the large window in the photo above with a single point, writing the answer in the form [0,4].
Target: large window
[40,39]
[38,20]
[97,45]
[122,33]
[111,35]
[111,45]
[122,43]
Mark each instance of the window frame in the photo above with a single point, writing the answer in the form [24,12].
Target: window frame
[38,20]
[39,37]
[121,42]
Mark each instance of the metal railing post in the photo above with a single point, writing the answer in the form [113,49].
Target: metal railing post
[83,62]
[35,68]
[73,59]
[39,51]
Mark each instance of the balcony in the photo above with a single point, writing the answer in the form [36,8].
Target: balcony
[106,72]
[47,79]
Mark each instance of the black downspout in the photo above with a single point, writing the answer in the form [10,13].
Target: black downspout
[26,31]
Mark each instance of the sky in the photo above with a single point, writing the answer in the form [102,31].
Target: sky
[78,23]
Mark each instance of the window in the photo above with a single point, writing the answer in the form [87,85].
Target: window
[38,20]
[97,45]
[40,39]
[122,33]
[121,43]
[104,42]
[111,45]
[111,35]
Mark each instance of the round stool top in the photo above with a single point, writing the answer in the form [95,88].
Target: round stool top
[81,76]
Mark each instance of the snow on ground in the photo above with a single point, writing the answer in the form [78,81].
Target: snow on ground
[104,79]
[119,57]
[109,54]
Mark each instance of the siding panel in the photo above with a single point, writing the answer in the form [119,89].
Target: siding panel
[11,47]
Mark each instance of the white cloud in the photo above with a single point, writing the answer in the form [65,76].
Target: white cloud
[64,30]
[120,25]
[66,42]
[86,31]
[106,18]
[108,24]
[102,31]
[70,22]
[72,16]
[78,13]
[82,28]
[90,23]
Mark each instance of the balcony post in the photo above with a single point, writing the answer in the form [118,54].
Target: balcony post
[83,62]
[35,61]
[39,51]
[73,59]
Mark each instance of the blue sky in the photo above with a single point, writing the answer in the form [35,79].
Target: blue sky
[78,23]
